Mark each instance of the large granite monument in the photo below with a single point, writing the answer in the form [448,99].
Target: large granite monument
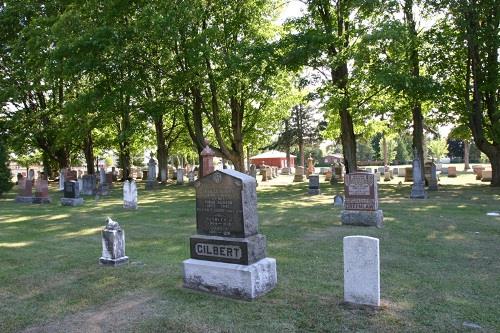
[417,189]
[151,183]
[72,194]
[361,200]
[228,255]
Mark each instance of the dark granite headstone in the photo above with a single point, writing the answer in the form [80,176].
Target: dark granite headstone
[314,184]
[89,184]
[71,194]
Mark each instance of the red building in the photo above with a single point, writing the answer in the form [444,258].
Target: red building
[273,158]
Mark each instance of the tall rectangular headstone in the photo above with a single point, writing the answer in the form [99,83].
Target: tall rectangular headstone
[314,185]
[228,255]
[361,270]
[418,187]
[89,185]
[130,194]
[180,176]
[361,200]
[41,191]
[25,194]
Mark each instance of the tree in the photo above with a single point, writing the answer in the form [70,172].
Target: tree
[5,174]
[437,148]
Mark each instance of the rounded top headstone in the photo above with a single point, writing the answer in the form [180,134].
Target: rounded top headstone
[112,225]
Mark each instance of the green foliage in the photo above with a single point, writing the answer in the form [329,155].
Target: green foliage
[403,149]
[437,148]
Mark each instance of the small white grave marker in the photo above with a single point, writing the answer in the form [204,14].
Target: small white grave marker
[361,270]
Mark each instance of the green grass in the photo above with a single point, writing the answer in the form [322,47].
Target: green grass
[440,264]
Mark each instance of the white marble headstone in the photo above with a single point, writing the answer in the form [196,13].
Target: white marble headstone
[361,270]
[62,179]
[130,194]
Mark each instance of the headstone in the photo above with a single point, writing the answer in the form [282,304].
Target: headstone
[432,180]
[102,176]
[361,200]
[487,175]
[452,172]
[418,186]
[103,188]
[207,156]
[25,194]
[338,173]
[395,171]
[41,191]
[71,194]
[387,176]
[328,175]
[144,174]
[361,270]
[109,179]
[191,177]
[180,176]
[263,173]
[151,182]
[80,184]
[338,201]
[89,185]
[314,185]
[31,174]
[62,176]
[409,174]
[381,170]
[444,170]
[402,172]
[253,171]
[228,255]
[269,172]
[285,171]
[479,172]
[113,245]
[310,166]
[130,194]
[299,174]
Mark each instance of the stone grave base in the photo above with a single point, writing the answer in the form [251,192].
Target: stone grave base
[39,200]
[113,262]
[239,281]
[151,184]
[298,178]
[314,191]
[72,201]
[22,199]
[367,218]
[418,191]
[130,204]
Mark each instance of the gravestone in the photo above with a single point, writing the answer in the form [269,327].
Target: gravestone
[361,270]
[180,176]
[31,174]
[109,179]
[80,184]
[338,201]
[310,166]
[299,174]
[103,188]
[62,176]
[387,176]
[41,192]
[314,185]
[381,170]
[432,179]
[479,172]
[253,171]
[102,175]
[409,174]
[487,174]
[228,255]
[71,194]
[361,201]
[151,182]
[130,194]
[401,172]
[191,177]
[113,245]
[338,173]
[89,185]
[263,173]
[269,172]
[444,170]
[395,171]
[328,175]
[418,186]
[285,171]
[207,156]
[25,194]
[452,172]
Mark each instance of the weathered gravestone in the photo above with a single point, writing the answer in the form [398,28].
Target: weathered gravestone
[62,179]
[252,171]
[191,177]
[109,179]
[285,171]
[401,172]
[361,270]
[25,194]
[228,255]
[361,200]
[408,174]
[31,174]
[113,245]
[299,174]
[418,186]
[487,175]
[71,194]
[130,194]
[338,173]
[328,175]
[431,176]
[452,172]
[314,185]
[41,192]
[89,185]
[151,183]
[478,170]
[180,176]
[103,188]
[338,201]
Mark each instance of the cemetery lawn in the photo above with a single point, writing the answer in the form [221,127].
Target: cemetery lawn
[440,266]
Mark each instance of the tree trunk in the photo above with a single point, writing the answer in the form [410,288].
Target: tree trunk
[62,158]
[495,169]
[161,150]
[124,144]
[47,169]
[348,139]
[466,155]
[384,151]
[415,104]
[88,150]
